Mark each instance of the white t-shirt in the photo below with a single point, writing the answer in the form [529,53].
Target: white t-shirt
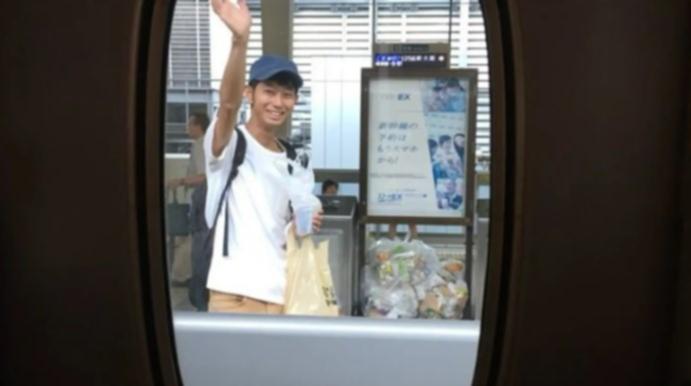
[259,212]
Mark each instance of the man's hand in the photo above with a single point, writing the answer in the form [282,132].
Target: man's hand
[237,18]
[175,182]
[317,218]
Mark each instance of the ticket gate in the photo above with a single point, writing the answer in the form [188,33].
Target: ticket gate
[339,227]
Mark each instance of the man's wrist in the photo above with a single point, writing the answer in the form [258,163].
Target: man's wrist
[240,40]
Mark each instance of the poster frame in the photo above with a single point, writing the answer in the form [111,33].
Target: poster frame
[369,74]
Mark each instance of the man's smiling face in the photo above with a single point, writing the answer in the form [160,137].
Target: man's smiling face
[271,103]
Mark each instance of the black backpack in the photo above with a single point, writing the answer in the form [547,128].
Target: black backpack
[238,158]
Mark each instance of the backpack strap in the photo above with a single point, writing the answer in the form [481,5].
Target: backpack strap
[292,155]
[290,152]
[238,158]
[290,149]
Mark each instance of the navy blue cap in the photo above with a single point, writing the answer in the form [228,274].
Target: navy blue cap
[269,65]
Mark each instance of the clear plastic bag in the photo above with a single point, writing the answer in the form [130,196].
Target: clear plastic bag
[445,301]
[405,279]
[393,303]
[399,262]
[300,186]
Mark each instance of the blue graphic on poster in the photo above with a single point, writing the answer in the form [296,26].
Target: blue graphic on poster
[444,107]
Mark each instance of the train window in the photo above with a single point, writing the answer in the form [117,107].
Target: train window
[176,113]
[296,230]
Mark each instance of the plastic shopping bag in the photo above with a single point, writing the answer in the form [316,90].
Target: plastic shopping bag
[309,290]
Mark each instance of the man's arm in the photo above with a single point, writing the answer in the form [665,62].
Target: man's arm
[194,180]
[238,19]
[189,181]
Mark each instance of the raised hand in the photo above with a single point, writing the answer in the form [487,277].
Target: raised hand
[236,17]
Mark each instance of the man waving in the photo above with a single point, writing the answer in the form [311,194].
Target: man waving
[247,272]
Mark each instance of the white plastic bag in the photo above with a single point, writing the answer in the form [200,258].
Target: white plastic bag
[309,287]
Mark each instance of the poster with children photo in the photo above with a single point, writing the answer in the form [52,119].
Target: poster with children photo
[445,106]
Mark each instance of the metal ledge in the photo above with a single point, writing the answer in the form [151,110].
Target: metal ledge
[247,350]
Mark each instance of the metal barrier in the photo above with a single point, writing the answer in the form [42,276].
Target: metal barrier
[231,349]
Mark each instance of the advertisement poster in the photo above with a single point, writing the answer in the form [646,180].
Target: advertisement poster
[417,147]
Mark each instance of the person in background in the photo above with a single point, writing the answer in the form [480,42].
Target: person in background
[329,188]
[195,177]
[247,272]
[189,265]
[412,231]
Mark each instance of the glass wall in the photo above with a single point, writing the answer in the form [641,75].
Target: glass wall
[391,284]
[332,43]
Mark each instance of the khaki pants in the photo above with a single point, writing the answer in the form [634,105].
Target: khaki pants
[224,302]
[182,266]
